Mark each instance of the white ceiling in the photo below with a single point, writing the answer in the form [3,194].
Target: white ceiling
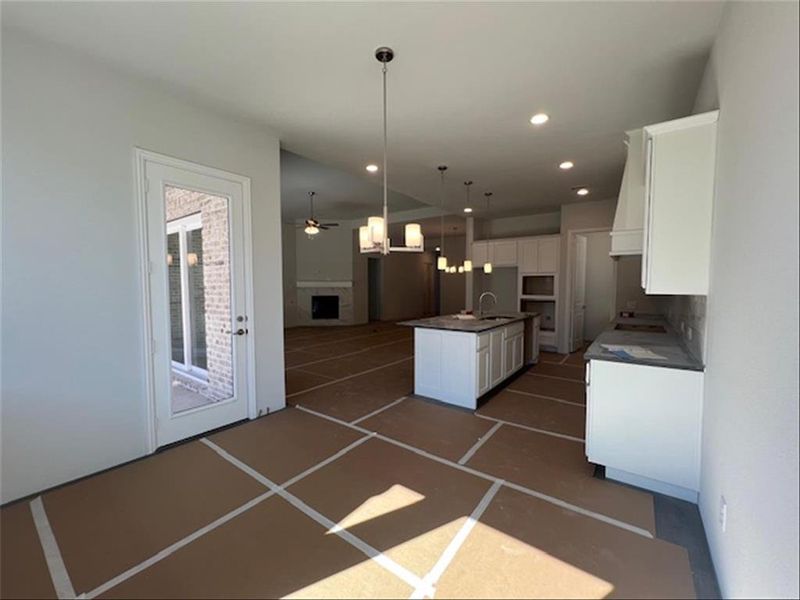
[339,194]
[465,80]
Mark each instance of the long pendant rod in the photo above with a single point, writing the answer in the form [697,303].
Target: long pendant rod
[385,178]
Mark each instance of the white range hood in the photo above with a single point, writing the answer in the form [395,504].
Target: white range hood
[627,235]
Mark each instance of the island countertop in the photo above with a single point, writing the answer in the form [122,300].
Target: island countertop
[667,345]
[475,325]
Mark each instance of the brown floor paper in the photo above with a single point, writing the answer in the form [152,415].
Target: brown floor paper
[285,444]
[406,505]
[572,391]
[440,430]
[567,371]
[270,551]
[523,547]
[113,521]
[23,570]
[558,468]
[537,412]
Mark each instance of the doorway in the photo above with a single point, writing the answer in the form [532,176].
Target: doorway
[592,286]
[198,296]
[374,286]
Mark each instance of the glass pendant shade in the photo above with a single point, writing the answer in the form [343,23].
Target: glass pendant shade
[377,230]
[487,268]
[413,235]
[364,237]
[461,269]
[468,266]
[441,263]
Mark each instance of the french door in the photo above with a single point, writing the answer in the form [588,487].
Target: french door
[198,297]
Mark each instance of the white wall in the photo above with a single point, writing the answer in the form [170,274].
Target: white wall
[73,398]
[327,256]
[289,251]
[750,421]
[538,224]
[600,284]
[595,214]
[630,295]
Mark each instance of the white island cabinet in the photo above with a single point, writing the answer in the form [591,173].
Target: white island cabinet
[462,362]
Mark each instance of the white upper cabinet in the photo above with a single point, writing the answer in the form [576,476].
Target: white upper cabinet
[480,254]
[539,255]
[679,166]
[504,253]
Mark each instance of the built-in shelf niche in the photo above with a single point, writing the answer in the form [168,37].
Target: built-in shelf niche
[541,286]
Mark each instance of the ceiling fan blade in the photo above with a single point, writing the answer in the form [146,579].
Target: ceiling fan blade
[329,225]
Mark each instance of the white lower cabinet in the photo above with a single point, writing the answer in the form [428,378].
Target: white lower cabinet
[458,367]
[643,424]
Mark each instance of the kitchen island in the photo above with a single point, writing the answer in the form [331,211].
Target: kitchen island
[459,358]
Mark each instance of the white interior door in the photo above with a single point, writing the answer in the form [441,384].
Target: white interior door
[578,292]
[198,300]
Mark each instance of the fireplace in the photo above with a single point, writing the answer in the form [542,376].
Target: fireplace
[324,307]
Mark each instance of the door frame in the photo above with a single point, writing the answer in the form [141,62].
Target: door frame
[571,233]
[140,158]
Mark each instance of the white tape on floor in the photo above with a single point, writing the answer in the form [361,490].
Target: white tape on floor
[377,412]
[52,554]
[372,553]
[546,397]
[327,383]
[563,436]
[481,441]
[552,500]
[433,576]
[159,556]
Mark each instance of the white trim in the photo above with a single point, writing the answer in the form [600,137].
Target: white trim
[705,118]
[433,576]
[520,488]
[140,158]
[481,440]
[52,555]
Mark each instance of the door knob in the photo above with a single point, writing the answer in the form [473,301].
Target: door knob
[239,331]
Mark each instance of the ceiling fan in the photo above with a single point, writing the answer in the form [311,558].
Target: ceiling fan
[312,226]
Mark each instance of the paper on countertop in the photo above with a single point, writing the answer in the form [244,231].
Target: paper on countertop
[633,352]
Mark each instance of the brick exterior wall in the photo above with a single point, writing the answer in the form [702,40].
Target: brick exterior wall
[213,288]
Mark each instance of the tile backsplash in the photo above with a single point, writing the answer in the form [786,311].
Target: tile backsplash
[687,314]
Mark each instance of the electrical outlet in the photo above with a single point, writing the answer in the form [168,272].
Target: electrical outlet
[723,513]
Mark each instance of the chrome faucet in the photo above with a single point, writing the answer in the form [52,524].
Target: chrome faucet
[480,301]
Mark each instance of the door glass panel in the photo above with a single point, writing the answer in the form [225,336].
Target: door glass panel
[175,298]
[203,360]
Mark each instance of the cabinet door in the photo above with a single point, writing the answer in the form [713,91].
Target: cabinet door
[519,352]
[480,254]
[508,362]
[496,358]
[504,254]
[528,256]
[483,367]
[548,255]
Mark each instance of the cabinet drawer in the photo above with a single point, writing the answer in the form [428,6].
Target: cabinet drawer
[483,341]
[514,329]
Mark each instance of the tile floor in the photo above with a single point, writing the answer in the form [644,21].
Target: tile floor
[360,489]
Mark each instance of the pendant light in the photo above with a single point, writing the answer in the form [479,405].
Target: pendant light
[487,266]
[441,262]
[374,236]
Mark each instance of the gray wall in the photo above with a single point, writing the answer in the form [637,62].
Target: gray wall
[73,397]
[750,431]
[630,295]
[600,284]
[452,293]
[406,286]
[524,225]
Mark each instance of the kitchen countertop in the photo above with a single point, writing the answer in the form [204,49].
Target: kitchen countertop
[451,323]
[668,345]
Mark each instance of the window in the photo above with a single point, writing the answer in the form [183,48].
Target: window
[187,295]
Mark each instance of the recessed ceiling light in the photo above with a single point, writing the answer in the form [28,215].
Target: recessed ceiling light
[582,191]
[566,165]
[539,119]
[467,210]
[372,168]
